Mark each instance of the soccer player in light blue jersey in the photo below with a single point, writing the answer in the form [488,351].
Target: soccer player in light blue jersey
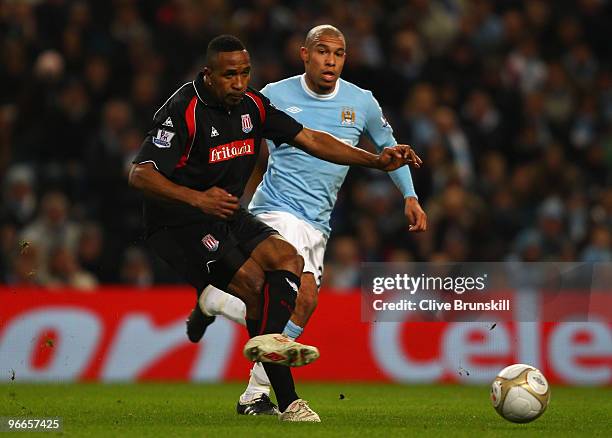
[298,191]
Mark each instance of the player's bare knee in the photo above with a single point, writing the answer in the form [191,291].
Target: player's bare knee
[290,261]
[275,254]
[299,261]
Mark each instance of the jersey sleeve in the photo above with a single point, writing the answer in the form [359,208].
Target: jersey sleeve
[165,143]
[267,92]
[381,134]
[278,126]
[377,128]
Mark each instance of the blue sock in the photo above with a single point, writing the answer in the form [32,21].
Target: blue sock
[292,330]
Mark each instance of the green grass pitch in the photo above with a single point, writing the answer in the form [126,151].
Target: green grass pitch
[175,410]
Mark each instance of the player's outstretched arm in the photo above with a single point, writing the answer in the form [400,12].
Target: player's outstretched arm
[329,148]
[214,201]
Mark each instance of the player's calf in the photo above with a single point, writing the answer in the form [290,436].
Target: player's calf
[268,345]
[305,305]
[247,285]
[277,302]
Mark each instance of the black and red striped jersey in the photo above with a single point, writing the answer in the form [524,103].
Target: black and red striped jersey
[198,143]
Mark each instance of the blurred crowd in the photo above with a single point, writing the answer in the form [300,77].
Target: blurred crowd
[509,103]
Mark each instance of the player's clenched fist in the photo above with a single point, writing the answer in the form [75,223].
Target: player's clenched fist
[394,157]
[216,202]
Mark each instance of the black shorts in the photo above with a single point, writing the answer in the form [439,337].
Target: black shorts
[210,252]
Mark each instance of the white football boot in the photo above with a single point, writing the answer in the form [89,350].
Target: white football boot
[299,411]
[278,349]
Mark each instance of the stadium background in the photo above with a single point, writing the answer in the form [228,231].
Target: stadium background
[509,104]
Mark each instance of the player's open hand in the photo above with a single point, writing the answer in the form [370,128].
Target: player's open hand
[415,215]
[217,202]
[397,156]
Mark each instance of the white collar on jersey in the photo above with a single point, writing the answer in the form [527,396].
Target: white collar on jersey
[316,95]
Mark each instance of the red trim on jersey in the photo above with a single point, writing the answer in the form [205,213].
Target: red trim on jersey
[190,119]
[260,106]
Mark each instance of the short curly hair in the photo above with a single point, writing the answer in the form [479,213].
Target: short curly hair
[222,43]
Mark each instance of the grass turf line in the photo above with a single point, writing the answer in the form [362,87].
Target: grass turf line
[169,409]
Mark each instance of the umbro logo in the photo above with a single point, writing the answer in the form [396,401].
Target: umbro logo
[293,109]
[214,132]
[168,123]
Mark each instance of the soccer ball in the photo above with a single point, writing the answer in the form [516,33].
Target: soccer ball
[520,393]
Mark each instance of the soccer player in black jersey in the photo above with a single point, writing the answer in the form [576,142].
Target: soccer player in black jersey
[193,167]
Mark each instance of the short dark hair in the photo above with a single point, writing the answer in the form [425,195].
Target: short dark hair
[222,43]
[318,31]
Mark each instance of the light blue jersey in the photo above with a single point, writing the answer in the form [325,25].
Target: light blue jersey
[303,185]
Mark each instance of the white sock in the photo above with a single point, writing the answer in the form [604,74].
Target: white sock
[258,384]
[214,301]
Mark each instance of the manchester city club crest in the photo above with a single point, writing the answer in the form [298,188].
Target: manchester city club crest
[210,243]
[247,125]
[348,116]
